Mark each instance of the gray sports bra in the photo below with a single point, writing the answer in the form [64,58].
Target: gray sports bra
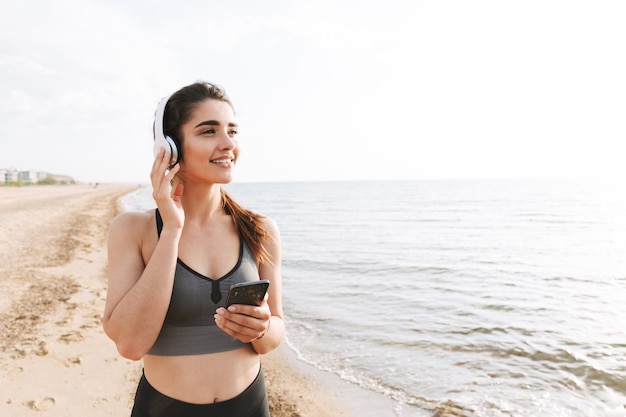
[189,327]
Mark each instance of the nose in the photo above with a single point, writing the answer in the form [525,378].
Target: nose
[227,142]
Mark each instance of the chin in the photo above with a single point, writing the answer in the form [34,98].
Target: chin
[224,180]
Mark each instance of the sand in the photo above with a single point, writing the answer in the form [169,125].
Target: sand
[55,360]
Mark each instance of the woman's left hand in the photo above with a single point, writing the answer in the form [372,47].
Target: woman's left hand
[243,322]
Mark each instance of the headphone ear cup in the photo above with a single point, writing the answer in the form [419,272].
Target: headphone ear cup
[169,145]
[173,151]
[160,140]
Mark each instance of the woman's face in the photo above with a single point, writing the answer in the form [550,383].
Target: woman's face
[210,146]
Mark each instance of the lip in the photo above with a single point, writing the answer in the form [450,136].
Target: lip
[223,161]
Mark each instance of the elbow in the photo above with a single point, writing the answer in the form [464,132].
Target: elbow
[264,349]
[128,349]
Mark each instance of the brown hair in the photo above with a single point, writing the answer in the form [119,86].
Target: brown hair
[250,226]
[178,109]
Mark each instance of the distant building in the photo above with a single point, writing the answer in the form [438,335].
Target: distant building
[28,177]
[12,175]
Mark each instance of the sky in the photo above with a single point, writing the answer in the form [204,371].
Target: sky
[323,90]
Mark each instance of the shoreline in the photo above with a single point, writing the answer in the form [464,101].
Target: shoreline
[327,388]
[55,355]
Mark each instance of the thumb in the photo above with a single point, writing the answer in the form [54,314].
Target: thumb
[177,194]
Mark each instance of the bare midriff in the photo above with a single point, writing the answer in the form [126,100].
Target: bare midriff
[203,379]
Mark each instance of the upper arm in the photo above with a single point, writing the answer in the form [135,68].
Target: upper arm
[125,260]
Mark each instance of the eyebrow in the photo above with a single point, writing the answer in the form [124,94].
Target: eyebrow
[214,123]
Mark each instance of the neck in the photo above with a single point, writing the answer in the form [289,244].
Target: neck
[202,203]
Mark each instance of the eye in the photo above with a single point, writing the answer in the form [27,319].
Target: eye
[232,132]
[208,132]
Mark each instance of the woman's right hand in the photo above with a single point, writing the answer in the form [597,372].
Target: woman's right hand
[167,190]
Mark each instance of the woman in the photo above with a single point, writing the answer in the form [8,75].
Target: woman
[170,270]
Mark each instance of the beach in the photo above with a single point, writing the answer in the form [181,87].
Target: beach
[55,359]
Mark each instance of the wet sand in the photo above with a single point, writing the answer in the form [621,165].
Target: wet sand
[55,360]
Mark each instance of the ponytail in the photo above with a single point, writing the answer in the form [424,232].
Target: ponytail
[250,226]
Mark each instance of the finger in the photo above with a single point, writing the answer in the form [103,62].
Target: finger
[177,192]
[261,312]
[158,158]
[162,176]
[155,165]
[234,329]
[170,173]
[159,167]
[240,321]
[161,160]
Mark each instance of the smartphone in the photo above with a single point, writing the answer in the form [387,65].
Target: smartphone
[250,293]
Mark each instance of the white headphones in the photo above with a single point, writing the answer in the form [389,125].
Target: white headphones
[160,140]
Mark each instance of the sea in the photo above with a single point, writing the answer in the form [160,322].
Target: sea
[455,297]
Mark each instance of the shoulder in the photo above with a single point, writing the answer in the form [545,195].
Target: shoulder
[270,226]
[133,217]
[133,223]
[272,241]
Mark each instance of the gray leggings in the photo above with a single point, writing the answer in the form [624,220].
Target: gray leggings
[252,402]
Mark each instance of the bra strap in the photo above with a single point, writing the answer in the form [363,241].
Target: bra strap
[159,222]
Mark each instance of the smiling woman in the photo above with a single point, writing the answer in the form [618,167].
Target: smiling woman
[52,269]
[171,267]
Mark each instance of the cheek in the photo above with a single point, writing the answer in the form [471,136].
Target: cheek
[197,150]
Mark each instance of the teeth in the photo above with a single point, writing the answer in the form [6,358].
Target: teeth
[221,161]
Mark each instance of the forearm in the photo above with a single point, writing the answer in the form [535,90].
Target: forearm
[137,320]
[272,338]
